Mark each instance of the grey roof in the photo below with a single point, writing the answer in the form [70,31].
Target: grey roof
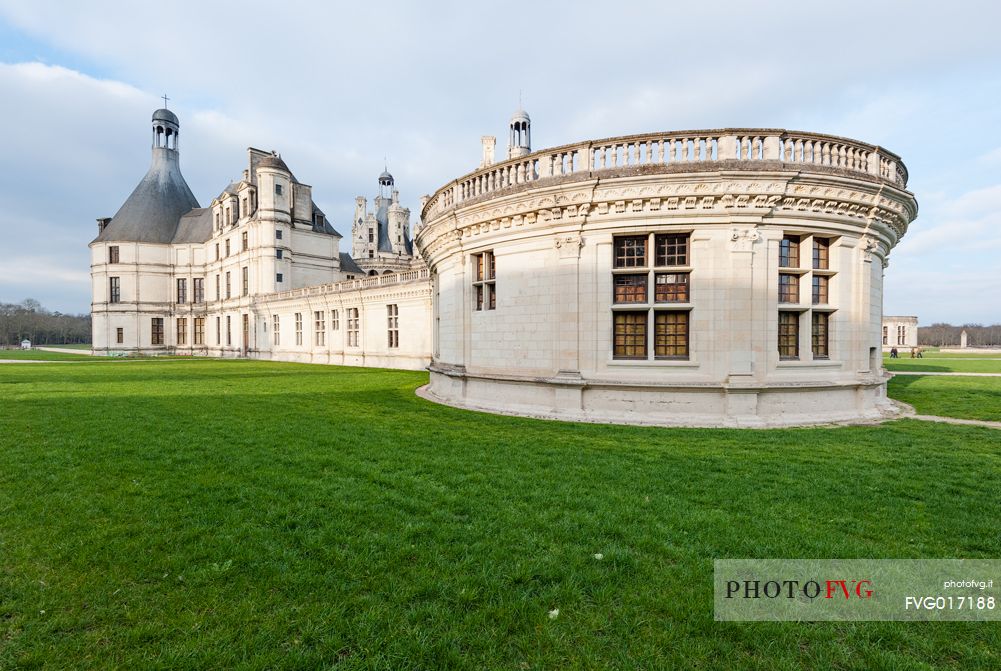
[273,161]
[520,115]
[385,179]
[348,264]
[152,212]
[164,114]
[233,188]
[326,228]
[382,216]
[195,226]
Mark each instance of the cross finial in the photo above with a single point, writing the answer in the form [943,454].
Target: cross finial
[165,99]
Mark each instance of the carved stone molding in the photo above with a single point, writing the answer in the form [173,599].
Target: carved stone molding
[569,246]
[743,239]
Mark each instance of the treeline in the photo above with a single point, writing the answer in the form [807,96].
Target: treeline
[29,320]
[947,335]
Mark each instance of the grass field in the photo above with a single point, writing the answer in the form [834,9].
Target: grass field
[41,355]
[965,397]
[946,363]
[194,514]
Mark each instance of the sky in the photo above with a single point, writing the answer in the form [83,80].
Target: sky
[342,89]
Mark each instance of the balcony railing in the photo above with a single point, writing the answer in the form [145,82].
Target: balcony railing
[352,285]
[672,149]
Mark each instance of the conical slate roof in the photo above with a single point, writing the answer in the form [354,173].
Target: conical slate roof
[152,212]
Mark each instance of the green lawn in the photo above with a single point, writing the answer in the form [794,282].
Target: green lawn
[40,355]
[945,363]
[964,397]
[202,514]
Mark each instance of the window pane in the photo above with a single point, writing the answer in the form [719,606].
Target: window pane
[819,334]
[670,334]
[789,252]
[788,288]
[788,335]
[671,288]
[630,252]
[630,335]
[672,250]
[630,288]
[821,253]
[820,289]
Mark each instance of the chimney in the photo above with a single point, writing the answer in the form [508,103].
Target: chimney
[489,142]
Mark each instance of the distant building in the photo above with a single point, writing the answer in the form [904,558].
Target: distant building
[25,344]
[899,332]
[258,273]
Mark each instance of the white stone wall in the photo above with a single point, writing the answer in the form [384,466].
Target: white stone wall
[899,332]
[547,348]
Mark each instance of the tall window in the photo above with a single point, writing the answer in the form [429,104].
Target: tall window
[789,252]
[114,290]
[228,292]
[246,280]
[113,254]
[218,331]
[279,278]
[630,252]
[820,286]
[485,284]
[298,328]
[276,335]
[788,335]
[182,290]
[818,334]
[650,293]
[156,331]
[198,286]
[199,331]
[821,253]
[217,251]
[630,335]
[279,253]
[246,332]
[886,335]
[901,335]
[244,241]
[335,319]
[227,247]
[371,235]
[120,335]
[182,330]
[278,234]
[788,288]
[218,294]
[278,189]
[352,327]
[229,330]
[670,334]
[393,320]
[319,329]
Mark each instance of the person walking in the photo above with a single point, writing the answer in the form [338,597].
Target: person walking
[893,353]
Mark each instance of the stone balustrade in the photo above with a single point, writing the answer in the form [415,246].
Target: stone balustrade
[738,148]
[353,285]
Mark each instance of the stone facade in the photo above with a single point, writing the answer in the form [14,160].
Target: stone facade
[257,273]
[899,332]
[727,277]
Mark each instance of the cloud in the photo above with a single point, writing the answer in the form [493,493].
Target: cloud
[336,87]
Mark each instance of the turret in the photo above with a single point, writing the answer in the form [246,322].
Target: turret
[520,138]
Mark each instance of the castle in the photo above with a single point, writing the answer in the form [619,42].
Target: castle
[727,277]
[259,272]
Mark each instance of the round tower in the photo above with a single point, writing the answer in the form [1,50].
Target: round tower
[165,129]
[520,138]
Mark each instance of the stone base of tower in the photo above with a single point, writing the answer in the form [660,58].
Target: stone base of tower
[644,404]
